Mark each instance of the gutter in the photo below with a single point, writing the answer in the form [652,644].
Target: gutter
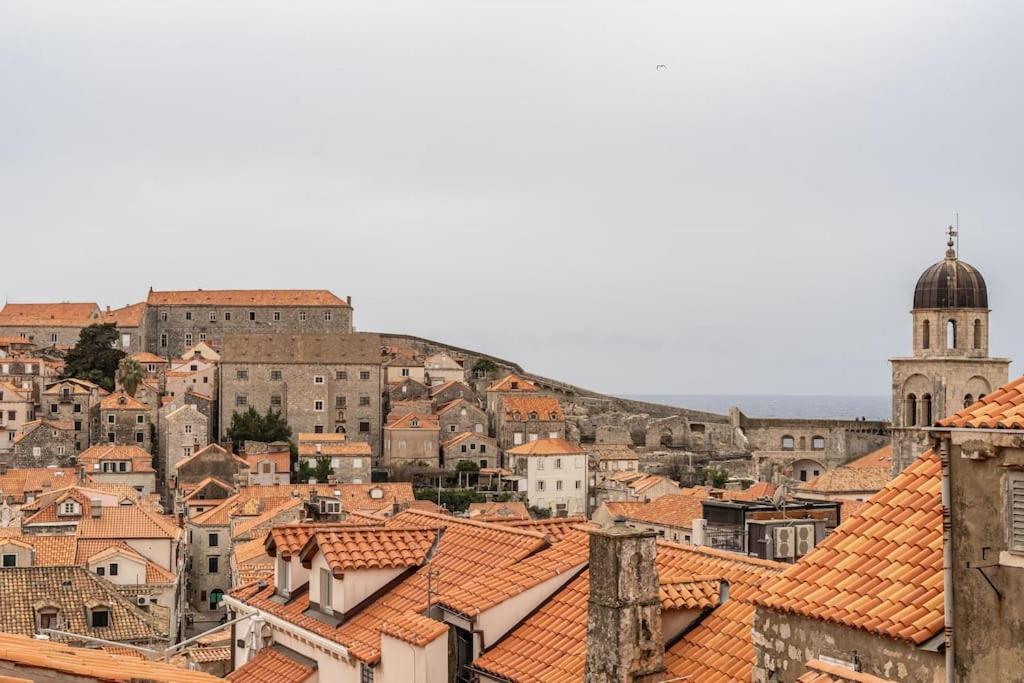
[947,561]
[297,631]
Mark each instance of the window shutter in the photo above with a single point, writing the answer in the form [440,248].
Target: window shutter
[1017,513]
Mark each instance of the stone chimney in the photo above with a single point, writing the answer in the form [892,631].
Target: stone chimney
[624,639]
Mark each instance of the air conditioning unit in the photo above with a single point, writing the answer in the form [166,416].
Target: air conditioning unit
[143,600]
[782,542]
[804,539]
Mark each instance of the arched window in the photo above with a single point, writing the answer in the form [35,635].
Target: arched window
[968,400]
[926,401]
[533,415]
[340,429]
[951,334]
[788,443]
[911,415]
[977,334]
[926,334]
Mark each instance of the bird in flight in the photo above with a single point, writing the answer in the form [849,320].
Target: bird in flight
[660,67]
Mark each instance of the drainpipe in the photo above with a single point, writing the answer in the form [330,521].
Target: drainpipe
[947,560]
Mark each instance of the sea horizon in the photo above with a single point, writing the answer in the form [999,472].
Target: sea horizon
[802,406]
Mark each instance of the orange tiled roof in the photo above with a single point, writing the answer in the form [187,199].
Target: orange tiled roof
[286,540]
[719,649]
[94,455]
[90,663]
[689,592]
[248,550]
[511,510]
[555,528]
[271,666]
[212,448]
[346,448]
[245,297]
[281,460]
[505,384]
[674,509]
[881,569]
[326,437]
[50,315]
[126,316]
[546,447]
[406,422]
[880,458]
[820,672]
[414,628]
[467,550]
[120,400]
[518,408]
[127,521]
[1002,409]
[757,491]
[204,655]
[848,479]
[35,480]
[50,550]
[466,436]
[88,550]
[347,548]
[13,340]
[147,357]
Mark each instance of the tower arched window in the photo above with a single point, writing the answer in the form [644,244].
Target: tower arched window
[977,334]
[926,334]
[951,334]
[968,400]
[926,406]
[911,415]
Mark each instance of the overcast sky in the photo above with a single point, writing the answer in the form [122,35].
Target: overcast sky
[518,177]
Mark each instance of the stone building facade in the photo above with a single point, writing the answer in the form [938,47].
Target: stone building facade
[183,432]
[125,420]
[17,408]
[75,402]
[461,416]
[449,391]
[44,443]
[213,461]
[319,383]
[177,320]
[479,449]
[528,417]
[47,325]
[951,366]
[412,439]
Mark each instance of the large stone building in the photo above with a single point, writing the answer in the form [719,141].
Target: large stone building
[47,325]
[951,367]
[176,320]
[125,420]
[76,402]
[319,382]
[556,475]
[44,443]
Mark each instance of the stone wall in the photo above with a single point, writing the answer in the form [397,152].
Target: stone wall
[783,643]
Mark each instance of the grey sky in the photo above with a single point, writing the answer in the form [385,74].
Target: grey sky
[518,177]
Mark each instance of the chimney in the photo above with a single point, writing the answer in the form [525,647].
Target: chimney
[699,530]
[624,638]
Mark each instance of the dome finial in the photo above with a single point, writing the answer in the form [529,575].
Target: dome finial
[950,243]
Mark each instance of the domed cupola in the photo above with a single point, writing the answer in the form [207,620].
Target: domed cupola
[951,283]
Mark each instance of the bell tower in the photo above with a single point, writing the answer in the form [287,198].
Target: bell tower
[950,367]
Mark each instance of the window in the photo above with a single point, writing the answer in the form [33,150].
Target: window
[140,437]
[364,374]
[111,419]
[275,400]
[78,425]
[540,464]
[10,560]
[277,316]
[213,316]
[951,334]
[302,316]
[818,443]
[283,567]
[202,336]
[464,449]
[163,341]
[977,334]
[213,540]
[325,591]
[540,485]
[558,485]
[968,400]
[341,375]
[101,571]
[339,402]
[1015,499]
[318,379]
[113,568]
[911,417]
[122,466]
[318,406]
[452,428]
[48,618]
[111,437]
[188,429]
[53,338]
[788,443]
[241,374]
[517,438]
[188,315]
[77,408]
[275,375]
[357,463]
[227,316]
[252,316]
[188,339]
[926,334]
[926,404]
[241,400]
[54,407]
[213,564]
[558,463]
[60,450]
[579,484]
[99,617]
[327,316]
[405,372]
[163,316]
[483,448]
[364,400]
[533,415]
[318,429]
[364,427]
[365,674]
[140,419]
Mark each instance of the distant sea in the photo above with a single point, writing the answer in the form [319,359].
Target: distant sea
[811,407]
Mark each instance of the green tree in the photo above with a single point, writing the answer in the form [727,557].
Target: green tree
[715,477]
[251,426]
[95,356]
[539,513]
[129,375]
[306,472]
[484,366]
[467,466]
[322,470]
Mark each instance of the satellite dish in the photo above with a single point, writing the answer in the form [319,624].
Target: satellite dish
[780,495]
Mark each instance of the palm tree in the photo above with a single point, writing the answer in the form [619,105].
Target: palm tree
[129,375]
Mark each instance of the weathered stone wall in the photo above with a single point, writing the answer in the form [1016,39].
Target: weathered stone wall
[350,396]
[129,427]
[462,418]
[42,336]
[783,643]
[202,582]
[177,326]
[44,446]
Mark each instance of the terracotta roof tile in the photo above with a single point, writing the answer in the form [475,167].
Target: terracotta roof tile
[512,382]
[126,316]
[120,400]
[881,569]
[205,655]
[674,509]
[50,550]
[546,447]
[91,663]
[35,480]
[848,479]
[414,420]
[880,458]
[555,528]
[519,408]
[347,548]
[511,510]
[757,491]
[245,297]
[50,315]
[270,666]
[820,672]
[346,448]
[94,455]
[414,628]
[1002,409]
[685,592]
